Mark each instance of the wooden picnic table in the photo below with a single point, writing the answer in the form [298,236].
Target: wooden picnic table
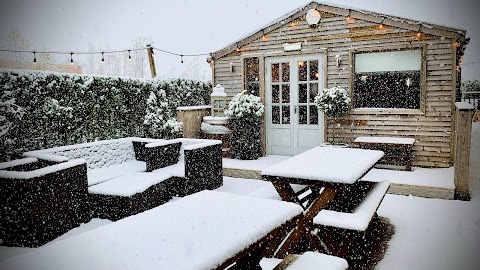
[206,230]
[324,171]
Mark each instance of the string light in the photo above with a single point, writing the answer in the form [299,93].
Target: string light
[348,15]
[456,44]
[71,57]
[419,33]
[181,59]
[104,52]
[381,26]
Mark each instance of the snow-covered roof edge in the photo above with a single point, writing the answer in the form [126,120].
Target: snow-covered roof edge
[347,10]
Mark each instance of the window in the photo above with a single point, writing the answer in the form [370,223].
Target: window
[390,79]
[251,69]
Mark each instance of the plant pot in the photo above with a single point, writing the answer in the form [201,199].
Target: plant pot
[245,142]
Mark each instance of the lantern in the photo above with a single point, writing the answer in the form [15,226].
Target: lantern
[219,101]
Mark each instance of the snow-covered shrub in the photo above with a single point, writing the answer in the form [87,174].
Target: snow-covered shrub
[245,111]
[159,121]
[245,105]
[45,109]
[333,101]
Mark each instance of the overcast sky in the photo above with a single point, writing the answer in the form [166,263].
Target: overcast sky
[197,26]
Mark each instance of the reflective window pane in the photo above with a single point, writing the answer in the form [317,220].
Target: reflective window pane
[302,93]
[285,114]
[275,115]
[302,115]
[285,72]
[285,93]
[314,70]
[313,115]
[275,94]
[302,70]
[275,72]
[313,91]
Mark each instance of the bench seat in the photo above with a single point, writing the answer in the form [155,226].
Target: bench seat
[360,218]
[307,261]
[100,175]
[398,150]
[128,185]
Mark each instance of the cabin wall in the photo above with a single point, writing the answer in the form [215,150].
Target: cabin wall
[432,128]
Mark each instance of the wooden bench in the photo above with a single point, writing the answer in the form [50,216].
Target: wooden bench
[307,261]
[398,151]
[348,216]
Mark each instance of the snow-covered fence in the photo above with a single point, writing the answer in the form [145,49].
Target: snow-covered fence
[191,117]
[472,97]
[43,109]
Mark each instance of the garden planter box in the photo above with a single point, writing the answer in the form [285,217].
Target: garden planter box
[40,200]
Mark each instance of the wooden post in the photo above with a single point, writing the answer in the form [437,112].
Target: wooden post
[151,60]
[463,131]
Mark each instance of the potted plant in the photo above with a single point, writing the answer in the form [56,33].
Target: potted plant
[333,102]
[245,112]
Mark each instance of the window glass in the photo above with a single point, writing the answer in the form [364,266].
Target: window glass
[251,69]
[387,79]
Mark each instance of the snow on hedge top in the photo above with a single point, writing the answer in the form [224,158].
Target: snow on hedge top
[200,231]
[40,172]
[464,106]
[327,164]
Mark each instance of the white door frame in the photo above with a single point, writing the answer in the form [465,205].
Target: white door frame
[293,135]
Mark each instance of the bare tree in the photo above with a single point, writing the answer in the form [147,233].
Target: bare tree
[193,69]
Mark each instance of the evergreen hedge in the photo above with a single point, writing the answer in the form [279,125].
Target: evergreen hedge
[42,110]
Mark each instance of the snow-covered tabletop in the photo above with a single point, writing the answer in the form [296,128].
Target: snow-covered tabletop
[326,164]
[200,231]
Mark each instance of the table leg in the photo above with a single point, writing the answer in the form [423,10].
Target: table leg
[304,228]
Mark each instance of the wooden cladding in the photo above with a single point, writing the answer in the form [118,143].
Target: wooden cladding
[431,125]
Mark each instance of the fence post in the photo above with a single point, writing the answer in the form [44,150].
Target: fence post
[463,131]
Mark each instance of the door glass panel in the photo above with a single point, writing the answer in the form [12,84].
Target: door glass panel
[313,115]
[302,115]
[285,93]
[275,115]
[302,93]
[285,114]
[275,72]
[302,71]
[275,94]
[313,91]
[285,72]
[314,70]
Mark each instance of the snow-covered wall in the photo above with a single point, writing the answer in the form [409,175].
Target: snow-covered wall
[43,110]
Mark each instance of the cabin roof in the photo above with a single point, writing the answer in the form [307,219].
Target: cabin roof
[375,17]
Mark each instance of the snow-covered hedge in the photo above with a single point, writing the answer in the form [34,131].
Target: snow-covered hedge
[245,105]
[333,101]
[43,110]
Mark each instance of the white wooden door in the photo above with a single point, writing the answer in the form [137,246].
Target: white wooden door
[293,122]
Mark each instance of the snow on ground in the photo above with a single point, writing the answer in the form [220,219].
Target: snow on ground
[254,165]
[429,233]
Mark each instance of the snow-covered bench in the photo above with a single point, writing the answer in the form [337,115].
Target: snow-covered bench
[307,261]
[40,200]
[125,176]
[398,150]
[349,215]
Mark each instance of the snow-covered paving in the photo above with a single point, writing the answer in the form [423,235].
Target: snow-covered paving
[429,233]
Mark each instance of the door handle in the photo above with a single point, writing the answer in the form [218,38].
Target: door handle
[295,109]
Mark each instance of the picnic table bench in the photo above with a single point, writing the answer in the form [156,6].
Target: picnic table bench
[206,230]
[398,151]
[333,191]
[307,261]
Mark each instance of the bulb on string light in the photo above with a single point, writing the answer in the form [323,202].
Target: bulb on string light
[381,26]
[103,58]
[419,33]
[348,15]
[34,57]
[181,59]
[129,56]
[71,57]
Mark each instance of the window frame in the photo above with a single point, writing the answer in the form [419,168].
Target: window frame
[423,76]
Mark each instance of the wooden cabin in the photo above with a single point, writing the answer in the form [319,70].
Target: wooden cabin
[402,76]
